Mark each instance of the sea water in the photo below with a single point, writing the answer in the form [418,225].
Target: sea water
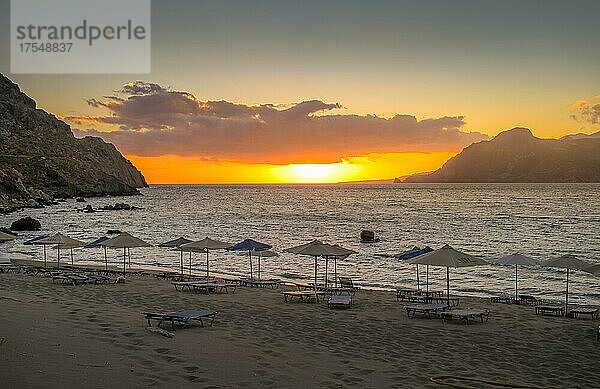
[487,220]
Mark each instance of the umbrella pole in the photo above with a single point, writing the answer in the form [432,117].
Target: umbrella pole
[448,284]
[516,280]
[207,265]
[124,261]
[259,267]
[427,281]
[315,272]
[129,256]
[58,258]
[190,263]
[251,275]
[105,259]
[44,246]
[335,271]
[71,257]
[181,262]
[418,281]
[567,295]
[326,270]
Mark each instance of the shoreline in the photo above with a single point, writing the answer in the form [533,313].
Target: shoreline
[94,335]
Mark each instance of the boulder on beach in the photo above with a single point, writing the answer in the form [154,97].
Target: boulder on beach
[26,224]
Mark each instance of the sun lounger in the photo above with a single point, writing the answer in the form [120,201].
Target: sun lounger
[505,298]
[425,309]
[575,312]
[181,317]
[339,301]
[303,295]
[465,314]
[208,287]
[526,299]
[550,309]
[272,283]
[346,282]
[70,279]
[97,278]
[6,265]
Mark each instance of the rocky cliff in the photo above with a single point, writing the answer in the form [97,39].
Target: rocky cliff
[40,159]
[517,156]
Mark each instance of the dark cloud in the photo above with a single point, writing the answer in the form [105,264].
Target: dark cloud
[152,120]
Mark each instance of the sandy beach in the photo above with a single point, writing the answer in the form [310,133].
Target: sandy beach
[56,335]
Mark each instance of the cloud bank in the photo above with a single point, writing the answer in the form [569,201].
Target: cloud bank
[586,111]
[150,120]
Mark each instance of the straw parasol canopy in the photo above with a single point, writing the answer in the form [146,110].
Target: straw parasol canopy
[125,241]
[250,245]
[594,269]
[4,237]
[316,249]
[448,257]
[205,245]
[517,259]
[61,240]
[568,262]
[176,243]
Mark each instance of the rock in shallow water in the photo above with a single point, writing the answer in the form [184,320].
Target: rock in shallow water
[26,224]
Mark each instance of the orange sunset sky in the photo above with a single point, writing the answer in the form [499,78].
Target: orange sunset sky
[295,92]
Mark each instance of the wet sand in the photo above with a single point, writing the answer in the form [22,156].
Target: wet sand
[56,335]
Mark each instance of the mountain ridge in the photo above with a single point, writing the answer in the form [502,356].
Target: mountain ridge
[41,160]
[516,155]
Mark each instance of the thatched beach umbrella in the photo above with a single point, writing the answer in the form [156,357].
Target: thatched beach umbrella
[315,249]
[568,262]
[61,240]
[34,241]
[99,243]
[448,257]
[251,246]
[125,241]
[206,244]
[517,259]
[176,243]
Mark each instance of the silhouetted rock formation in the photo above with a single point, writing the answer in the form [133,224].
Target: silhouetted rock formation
[26,224]
[517,156]
[40,159]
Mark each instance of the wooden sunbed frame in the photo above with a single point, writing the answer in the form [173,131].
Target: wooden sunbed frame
[575,312]
[208,287]
[273,283]
[553,309]
[181,317]
[302,295]
[425,309]
[465,314]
